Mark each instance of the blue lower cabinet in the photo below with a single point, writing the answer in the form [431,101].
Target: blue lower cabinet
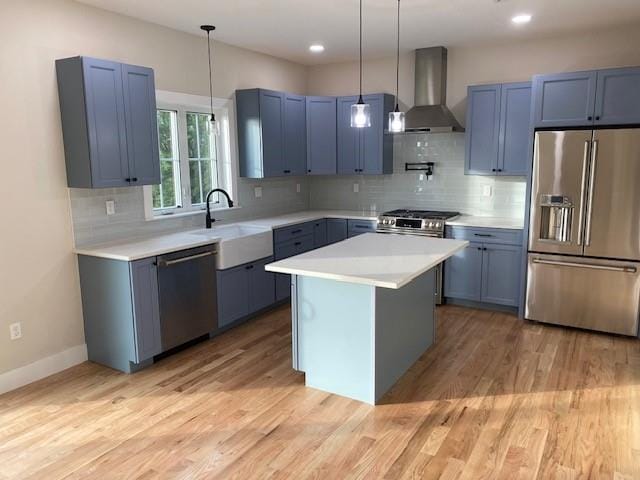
[463,274]
[282,250]
[501,274]
[146,308]
[319,233]
[336,230]
[358,227]
[261,286]
[244,290]
[488,270]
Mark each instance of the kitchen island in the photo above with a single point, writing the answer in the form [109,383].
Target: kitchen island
[363,310]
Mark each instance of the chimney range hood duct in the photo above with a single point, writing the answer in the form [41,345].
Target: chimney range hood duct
[430,113]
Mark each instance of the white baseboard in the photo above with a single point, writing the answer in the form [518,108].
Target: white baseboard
[42,368]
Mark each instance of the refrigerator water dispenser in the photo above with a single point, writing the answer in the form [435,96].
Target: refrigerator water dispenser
[556,215]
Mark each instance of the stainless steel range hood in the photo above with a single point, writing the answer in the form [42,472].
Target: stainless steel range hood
[430,113]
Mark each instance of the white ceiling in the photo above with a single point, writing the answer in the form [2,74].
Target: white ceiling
[286,28]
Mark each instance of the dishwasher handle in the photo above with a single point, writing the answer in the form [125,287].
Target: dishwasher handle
[168,263]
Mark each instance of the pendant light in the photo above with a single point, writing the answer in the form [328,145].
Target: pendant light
[360,112]
[209,29]
[396,118]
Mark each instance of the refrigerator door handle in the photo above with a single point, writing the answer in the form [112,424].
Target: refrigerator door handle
[593,266]
[583,191]
[592,181]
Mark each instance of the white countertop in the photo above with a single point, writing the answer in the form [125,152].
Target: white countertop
[308,216]
[129,250]
[387,261]
[137,248]
[486,222]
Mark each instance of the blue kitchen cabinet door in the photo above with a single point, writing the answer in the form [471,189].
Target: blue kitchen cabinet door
[501,274]
[463,273]
[146,309]
[233,295]
[618,96]
[261,285]
[376,147]
[321,136]
[336,230]
[564,99]
[483,129]
[348,138]
[295,134]
[319,233]
[283,281]
[358,227]
[515,118]
[141,125]
[272,124]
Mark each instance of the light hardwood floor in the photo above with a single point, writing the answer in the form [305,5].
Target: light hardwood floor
[496,398]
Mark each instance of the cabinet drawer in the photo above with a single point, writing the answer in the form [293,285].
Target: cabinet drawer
[485,235]
[293,247]
[292,232]
[357,227]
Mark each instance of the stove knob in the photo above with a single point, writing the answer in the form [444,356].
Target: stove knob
[430,224]
[438,225]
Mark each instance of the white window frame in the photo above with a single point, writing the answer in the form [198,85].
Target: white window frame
[225,144]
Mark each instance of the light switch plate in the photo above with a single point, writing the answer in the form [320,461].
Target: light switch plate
[487,191]
[297,188]
[356,187]
[111,207]
[258,192]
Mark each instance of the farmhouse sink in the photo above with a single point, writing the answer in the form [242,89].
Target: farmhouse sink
[239,244]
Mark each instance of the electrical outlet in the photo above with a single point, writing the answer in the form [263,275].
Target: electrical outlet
[297,188]
[258,192]
[487,191]
[15,331]
[111,207]
[356,187]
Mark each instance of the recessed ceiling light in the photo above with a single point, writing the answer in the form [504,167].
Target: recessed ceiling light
[316,48]
[523,18]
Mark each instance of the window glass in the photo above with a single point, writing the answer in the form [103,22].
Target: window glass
[167,194]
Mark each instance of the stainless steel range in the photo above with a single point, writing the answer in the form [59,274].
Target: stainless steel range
[428,223]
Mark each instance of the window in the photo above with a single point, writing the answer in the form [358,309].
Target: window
[202,157]
[194,159]
[168,194]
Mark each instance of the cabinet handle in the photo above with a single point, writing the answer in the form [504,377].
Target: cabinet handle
[597,117]
[287,171]
[249,267]
[488,235]
[589,118]
[297,244]
[493,169]
[127,179]
[134,179]
[479,248]
[309,171]
[295,232]
[499,169]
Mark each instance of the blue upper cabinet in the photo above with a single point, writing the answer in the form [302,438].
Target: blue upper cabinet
[564,99]
[295,134]
[348,138]
[376,147]
[271,133]
[321,135]
[109,124]
[618,97]
[483,129]
[365,150]
[515,118]
[272,126]
[497,132]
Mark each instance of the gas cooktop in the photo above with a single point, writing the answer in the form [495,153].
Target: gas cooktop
[422,214]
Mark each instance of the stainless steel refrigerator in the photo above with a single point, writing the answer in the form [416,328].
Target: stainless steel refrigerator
[584,236]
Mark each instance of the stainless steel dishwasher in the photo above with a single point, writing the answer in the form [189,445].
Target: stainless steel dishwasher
[187,291]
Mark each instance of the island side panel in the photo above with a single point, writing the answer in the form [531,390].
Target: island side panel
[335,336]
[404,328]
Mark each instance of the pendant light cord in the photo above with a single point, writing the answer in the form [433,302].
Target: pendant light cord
[210,75]
[360,100]
[398,62]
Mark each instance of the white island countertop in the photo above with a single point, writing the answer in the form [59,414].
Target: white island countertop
[387,261]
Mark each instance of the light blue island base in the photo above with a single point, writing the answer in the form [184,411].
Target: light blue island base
[357,340]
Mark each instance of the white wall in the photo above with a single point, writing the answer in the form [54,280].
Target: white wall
[38,278]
